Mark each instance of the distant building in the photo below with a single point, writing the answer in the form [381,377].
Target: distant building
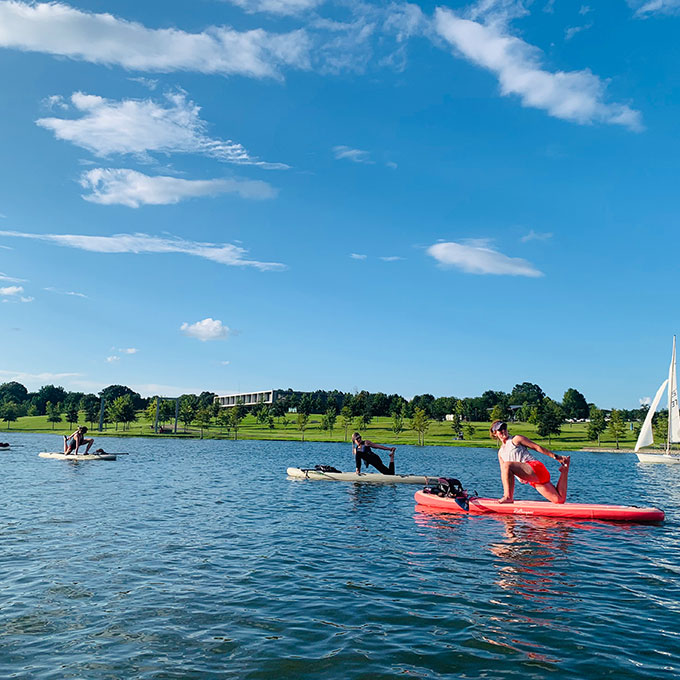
[249,398]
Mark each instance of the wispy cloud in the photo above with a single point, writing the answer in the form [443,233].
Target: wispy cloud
[358,256]
[649,7]
[391,258]
[208,329]
[354,155]
[474,258]
[35,380]
[128,350]
[56,28]
[144,126]
[131,188]
[577,96]
[112,359]
[50,289]
[281,7]
[11,279]
[225,253]
[571,31]
[536,236]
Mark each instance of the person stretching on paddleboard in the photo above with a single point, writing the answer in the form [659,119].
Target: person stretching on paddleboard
[516,461]
[74,441]
[362,451]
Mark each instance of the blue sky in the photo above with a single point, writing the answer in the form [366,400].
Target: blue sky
[297,193]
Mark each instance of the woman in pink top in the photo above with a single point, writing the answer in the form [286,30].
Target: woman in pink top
[516,461]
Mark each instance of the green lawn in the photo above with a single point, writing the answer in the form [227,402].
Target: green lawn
[573,437]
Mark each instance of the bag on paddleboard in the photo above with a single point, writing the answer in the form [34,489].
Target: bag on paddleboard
[448,487]
[326,468]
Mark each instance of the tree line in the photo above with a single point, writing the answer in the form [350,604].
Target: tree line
[527,402]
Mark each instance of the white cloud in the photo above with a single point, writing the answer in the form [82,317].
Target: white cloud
[571,31]
[577,96]
[225,253]
[357,256]
[645,401]
[281,7]
[11,279]
[143,126]
[474,258]
[112,359]
[50,289]
[111,186]
[536,236]
[208,329]
[148,83]
[391,258]
[225,363]
[129,350]
[11,290]
[585,9]
[56,28]
[34,381]
[55,101]
[354,155]
[657,7]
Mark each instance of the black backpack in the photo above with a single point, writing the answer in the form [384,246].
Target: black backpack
[448,487]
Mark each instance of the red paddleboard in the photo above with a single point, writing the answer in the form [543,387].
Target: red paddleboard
[480,506]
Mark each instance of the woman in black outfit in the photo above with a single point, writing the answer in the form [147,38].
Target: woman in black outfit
[362,451]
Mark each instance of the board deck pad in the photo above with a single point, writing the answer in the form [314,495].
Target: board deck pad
[82,456]
[620,513]
[376,478]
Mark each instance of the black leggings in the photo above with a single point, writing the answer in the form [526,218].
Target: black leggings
[374,460]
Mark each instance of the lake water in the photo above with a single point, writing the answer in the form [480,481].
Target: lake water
[201,559]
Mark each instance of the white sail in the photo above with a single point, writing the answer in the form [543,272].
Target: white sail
[673,412]
[646,437]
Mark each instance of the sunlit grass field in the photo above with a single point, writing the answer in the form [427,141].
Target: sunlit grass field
[573,436]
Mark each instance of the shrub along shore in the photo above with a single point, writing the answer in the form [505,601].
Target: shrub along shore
[572,437]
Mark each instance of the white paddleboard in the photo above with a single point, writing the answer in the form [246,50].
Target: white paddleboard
[81,456]
[375,477]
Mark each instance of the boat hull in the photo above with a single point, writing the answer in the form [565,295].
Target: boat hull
[481,506]
[365,477]
[668,459]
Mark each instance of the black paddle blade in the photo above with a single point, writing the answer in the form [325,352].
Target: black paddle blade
[463,503]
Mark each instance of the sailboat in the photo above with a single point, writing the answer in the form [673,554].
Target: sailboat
[646,437]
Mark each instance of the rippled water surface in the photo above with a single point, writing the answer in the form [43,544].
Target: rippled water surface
[202,559]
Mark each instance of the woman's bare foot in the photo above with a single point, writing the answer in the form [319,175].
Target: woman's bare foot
[505,499]
[565,461]
[392,456]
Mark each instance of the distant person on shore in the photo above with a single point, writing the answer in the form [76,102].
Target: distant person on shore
[362,450]
[74,441]
[516,461]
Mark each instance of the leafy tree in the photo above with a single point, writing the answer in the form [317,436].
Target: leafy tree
[420,423]
[204,417]
[455,422]
[207,398]
[53,413]
[9,412]
[328,420]
[550,419]
[616,426]
[48,393]
[167,411]
[528,392]
[346,419]
[597,424]
[262,414]
[14,392]
[236,415]
[660,426]
[188,408]
[72,412]
[398,422]
[224,419]
[90,405]
[305,406]
[468,430]
[499,412]
[112,392]
[125,410]
[302,420]
[278,408]
[574,405]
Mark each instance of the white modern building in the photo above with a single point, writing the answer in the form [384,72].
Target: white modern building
[249,398]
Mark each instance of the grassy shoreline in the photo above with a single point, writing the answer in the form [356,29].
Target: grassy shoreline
[572,438]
